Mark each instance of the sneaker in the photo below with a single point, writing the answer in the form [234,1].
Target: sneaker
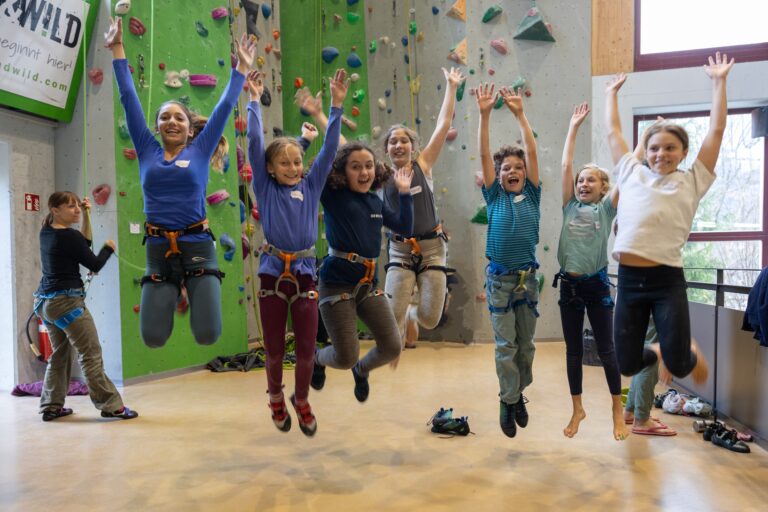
[361,386]
[441,416]
[307,420]
[124,414]
[521,413]
[507,419]
[318,377]
[280,416]
[729,439]
[453,427]
[59,412]
[713,429]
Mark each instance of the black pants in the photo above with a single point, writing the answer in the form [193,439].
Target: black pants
[660,291]
[593,296]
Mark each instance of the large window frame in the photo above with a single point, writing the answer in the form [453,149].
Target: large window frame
[722,236]
[690,58]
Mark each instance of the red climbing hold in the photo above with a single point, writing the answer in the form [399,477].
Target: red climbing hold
[255,214]
[136,308]
[96,76]
[298,82]
[246,173]
[275,34]
[355,111]
[136,27]
[240,124]
[161,65]
[101,194]
[129,153]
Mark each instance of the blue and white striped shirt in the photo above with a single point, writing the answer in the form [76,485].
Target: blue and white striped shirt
[513,224]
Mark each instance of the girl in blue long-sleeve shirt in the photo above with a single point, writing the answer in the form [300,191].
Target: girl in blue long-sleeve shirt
[174,175]
[289,205]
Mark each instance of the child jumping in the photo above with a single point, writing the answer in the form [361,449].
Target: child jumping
[512,191]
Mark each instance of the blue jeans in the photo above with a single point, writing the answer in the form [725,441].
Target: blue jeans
[512,301]
[641,390]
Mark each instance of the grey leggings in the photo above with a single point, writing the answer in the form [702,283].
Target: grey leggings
[340,320]
[158,299]
[401,282]
[82,336]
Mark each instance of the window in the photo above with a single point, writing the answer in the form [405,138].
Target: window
[683,33]
[730,229]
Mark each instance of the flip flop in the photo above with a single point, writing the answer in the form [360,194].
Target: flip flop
[656,430]
[632,421]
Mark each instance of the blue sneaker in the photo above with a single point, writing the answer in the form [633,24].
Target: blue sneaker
[507,419]
[361,386]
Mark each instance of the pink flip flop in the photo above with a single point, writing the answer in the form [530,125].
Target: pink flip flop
[656,430]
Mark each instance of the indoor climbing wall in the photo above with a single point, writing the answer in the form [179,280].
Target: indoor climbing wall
[187,59]
[479,37]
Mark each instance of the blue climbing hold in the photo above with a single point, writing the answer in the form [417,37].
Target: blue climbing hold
[407,59]
[404,40]
[388,93]
[229,244]
[225,163]
[352,2]
[242,212]
[266,10]
[435,10]
[241,288]
[418,120]
[221,62]
[354,61]
[389,111]
[329,54]
[439,87]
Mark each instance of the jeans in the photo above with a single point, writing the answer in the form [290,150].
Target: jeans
[643,385]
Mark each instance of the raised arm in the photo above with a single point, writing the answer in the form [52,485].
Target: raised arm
[313,105]
[113,38]
[431,151]
[514,101]
[616,140]
[85,227]
[401,221]
[717,70]
[485,99]
[324,161]
[255,133]
[580,113]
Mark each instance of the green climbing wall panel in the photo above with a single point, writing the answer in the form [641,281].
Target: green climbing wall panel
[174,41]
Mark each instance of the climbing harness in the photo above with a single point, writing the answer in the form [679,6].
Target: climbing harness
[152,231]
[366,282]
[288,257]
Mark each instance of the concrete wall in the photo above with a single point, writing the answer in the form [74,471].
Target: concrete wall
[31,143]
[558,75]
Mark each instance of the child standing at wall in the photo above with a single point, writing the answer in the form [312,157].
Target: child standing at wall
[354,216]
[60,303]
[658,203]
[289,206]
[583,257]
[512,191]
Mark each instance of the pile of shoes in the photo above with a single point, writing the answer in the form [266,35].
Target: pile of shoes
[720,435]
[443,422]
[678,403]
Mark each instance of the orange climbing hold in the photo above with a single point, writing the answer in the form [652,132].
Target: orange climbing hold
[240,124]
[298,82]
[275,34]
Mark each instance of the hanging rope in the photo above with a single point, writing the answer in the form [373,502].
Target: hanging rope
[411,78]
[151,57]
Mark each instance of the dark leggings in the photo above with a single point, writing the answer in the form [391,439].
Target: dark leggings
[274,315]
[660,291]
[592,295]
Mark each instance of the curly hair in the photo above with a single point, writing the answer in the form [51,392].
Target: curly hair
[338,177]
[504,152]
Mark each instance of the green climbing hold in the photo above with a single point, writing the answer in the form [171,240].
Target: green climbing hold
[201,29]
[460,90]
[546,248]
[499,103]
[471,71]
[534,28]
[519,84]
[124,134]
[481,215]
[491,13]
[412,27]
[185,100]
[540,279]
[372,47]
[535,135]
[353,17]
[359,95]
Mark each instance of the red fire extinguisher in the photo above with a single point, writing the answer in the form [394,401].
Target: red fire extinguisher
[43,349]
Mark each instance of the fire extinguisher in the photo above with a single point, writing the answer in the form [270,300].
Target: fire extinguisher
[43,349]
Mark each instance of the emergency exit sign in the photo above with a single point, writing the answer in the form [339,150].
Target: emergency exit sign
[32,202]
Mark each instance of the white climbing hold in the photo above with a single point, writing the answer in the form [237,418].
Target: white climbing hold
[122,7]
[382,104]
[184,74]
[376,131]
[384,39]
[172,80]
[354,77]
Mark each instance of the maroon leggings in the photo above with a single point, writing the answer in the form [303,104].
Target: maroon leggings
[274,315]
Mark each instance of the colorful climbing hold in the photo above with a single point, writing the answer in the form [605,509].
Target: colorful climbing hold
[353,17]
[452,134]
[435,10]
[518,84]
[229,245]
[219,13]
[492,13]
[122,7]
[220,61]
[241,124]
[353,60]
[129,153]
[266,10]
[500,45]
[136,27]
[329,53]
[246,173]
[266,97]
[407,59]
[354,77]
[352,2]
[161,66]
[201,30]
[472,71]
[499,103]
[458,10]
[268,48]
[206,80]
[275,34]
[101,194]
[355,111]
[528,93]
[387,93]
[358,96]
[260,62]
[404,40]
[96,76]
[412,29]
[122,128]
[298,82]
[382,103]
[460,90]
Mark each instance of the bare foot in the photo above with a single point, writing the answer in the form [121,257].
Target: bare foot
[701,370]
[620,431]
[573,426]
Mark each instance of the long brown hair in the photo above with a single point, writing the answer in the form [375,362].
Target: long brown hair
[56,200]
[197,122]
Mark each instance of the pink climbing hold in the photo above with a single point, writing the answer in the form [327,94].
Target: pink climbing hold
[246,245]
[202,80]
[96,76]
[129,153]
[217,197]
[101,194]
[500,45]
[219,12]
[246,173]
[452,134]
[491,71]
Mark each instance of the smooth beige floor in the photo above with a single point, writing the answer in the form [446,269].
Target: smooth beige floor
[205,441]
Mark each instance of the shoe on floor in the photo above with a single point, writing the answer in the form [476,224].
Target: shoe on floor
[453,427]
[124,414]
[307,420]
[441,416]
[729,439]
[318,377]
[280,416]
[713,429]
[59,412]
[521,413]
[507,419]
[361,386]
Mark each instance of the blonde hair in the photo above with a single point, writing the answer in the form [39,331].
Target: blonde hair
[602,173]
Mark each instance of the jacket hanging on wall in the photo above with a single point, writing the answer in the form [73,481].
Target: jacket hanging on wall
[756,315]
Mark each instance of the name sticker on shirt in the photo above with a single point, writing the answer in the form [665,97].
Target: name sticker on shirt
[182,163]
[416,190]
[519,198]
[296,194]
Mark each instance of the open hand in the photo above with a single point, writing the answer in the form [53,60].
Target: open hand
[255,84]
[513,100]
[453,77]
[246,51]
[312,105]
[580,113]
[615,83]
[114,35]
[339,87]
[403,177]
[485,97]
[718,67]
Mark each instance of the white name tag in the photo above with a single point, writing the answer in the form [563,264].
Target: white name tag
[296,194]
[416,190]
[519,198]
[182,163]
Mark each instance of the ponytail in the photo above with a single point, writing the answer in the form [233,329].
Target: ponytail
[57,199]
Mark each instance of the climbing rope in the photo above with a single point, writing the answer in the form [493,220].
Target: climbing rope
[411,78]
